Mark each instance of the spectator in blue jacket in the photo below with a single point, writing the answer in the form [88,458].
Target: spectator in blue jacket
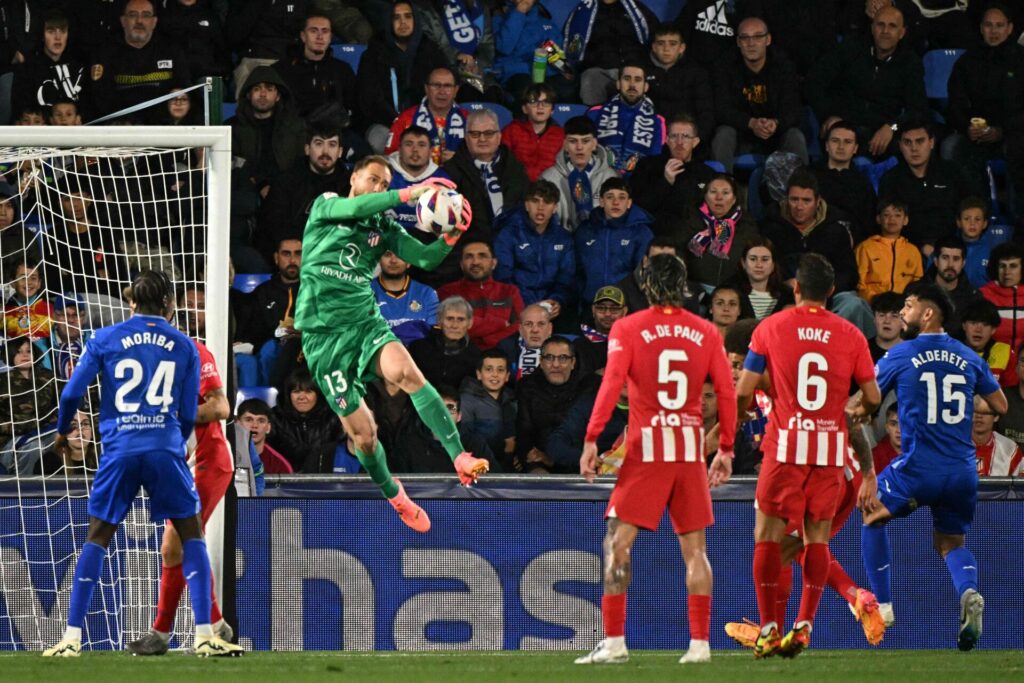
[489,404]
[612,241]
[525,26]
[410,307]
[978,237]
[535,252]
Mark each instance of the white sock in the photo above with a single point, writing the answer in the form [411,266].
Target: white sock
[617,641]
[204,631]
[73,633]
[699,644]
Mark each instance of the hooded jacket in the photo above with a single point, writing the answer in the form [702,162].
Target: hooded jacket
[386,70]
[885,264]
[1010,302]
[559,175]
[609,250]
[541,265]
[826,236]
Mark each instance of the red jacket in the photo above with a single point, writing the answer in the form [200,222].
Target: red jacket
[496,308]
[1010,302]
[536,152]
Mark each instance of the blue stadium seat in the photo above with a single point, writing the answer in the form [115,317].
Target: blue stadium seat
[228,109]
[716,166]
[350,54]
[938,64]
[504,115]
[564,112]
[874,170]
[748,162]
[266,394]
[246,282]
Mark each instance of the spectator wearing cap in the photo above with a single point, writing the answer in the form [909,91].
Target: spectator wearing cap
[592,345]
[672,182]
[69,331]
[579,171]
[534,251]
[980,320]
[535,139]
[612,241]
[137,66]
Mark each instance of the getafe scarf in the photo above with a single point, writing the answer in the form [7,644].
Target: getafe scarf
[718,233]
[449,137]
[491,183]
[631,132]
[581,22]
[580,191]
[464,25]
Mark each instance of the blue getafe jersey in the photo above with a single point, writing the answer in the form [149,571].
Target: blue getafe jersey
[936,379]
[149,376]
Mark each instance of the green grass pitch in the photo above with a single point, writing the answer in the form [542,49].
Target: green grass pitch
[831,666]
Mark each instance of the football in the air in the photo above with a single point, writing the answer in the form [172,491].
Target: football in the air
[438,211]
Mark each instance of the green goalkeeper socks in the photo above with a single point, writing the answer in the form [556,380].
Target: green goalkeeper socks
[376,465]
[435,415]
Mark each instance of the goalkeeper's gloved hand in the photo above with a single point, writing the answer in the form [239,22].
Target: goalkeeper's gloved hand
[461,226]
[414,192]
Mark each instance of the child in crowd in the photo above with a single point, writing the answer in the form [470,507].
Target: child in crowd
[488,404]
[887,262]
[972,226]
[889,448]
[27,312]
[980,320]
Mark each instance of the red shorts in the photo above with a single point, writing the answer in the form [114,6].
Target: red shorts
[644,490]
[211,485]
[793,492]
[846,504]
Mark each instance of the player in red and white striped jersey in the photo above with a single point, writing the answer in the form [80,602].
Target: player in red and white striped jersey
[811,355]
[998,455]
[663,354]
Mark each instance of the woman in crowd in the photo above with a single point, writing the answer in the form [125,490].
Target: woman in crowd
[715,233]
[78,457]
[762,291]
[724,307]
[304,429]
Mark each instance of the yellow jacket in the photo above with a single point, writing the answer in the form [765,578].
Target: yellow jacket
[885,264]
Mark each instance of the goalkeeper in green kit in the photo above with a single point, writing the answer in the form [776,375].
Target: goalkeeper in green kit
[347,343]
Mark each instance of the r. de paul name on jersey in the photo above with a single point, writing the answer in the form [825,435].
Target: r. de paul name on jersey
[677,331]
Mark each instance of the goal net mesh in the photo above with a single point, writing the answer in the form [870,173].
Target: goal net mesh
[78,224]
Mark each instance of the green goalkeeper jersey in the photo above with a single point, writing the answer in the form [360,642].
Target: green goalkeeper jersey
[344,240]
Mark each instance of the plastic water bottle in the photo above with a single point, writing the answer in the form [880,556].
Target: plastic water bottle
[540,64]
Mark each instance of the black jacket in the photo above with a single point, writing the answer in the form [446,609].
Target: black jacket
[40,81]
[988,82]
[197,30]
[261,311]
[542,408]
[307,441]
[850,83]
[804,29]
[565,444]
[686,87]
[652,192]
[410,68]
[829,237]
[709,29]
[852,192]
[123,75]
[442,364]
[612,38]
[286,209]
[317,83]
[741,94]
[932,200]
[961,295]
[265,28]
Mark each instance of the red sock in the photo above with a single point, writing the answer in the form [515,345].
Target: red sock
[816,566]
[613,609]
[767,564]
[215,614]
[782,594]
[172,585]
[699,608]
[840,582]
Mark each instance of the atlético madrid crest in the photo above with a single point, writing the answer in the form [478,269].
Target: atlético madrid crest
[374,239]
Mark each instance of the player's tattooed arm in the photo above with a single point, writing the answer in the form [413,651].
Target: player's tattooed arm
[861,446]
[215,407]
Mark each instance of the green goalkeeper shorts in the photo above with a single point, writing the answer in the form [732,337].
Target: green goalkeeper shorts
[342,364]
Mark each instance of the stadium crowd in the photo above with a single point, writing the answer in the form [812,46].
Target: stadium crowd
[737,135]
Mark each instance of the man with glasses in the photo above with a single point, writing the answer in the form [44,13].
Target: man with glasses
[592,344]
[672,182]
[486,172]
[757,103]
[535,139]
[140,66]
[436,113]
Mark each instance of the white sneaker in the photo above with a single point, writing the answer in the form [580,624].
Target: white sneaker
[65,648]
[885,608]
[215,647]
[972,606]
[699,653]
[608,651]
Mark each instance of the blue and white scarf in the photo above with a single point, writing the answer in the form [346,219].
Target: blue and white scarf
[454,127]
[631,132]
[580,24]
[581,194]
[491,182]
[464,25]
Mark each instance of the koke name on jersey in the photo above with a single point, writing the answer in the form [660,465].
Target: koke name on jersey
[677,331]
[813,334]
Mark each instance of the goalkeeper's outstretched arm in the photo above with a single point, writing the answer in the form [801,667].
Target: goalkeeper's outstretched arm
[339,209]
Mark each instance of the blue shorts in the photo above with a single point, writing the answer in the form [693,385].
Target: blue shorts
[951,494]
[164,475]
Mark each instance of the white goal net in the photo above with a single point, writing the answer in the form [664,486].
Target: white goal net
[81,211]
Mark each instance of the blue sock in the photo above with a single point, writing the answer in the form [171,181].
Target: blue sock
[87,575]
[196,567]
[874,547]
[963,569]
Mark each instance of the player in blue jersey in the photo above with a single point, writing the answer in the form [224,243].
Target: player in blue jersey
[149,374]
[939,382]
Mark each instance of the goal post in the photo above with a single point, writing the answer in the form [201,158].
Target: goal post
[143,181]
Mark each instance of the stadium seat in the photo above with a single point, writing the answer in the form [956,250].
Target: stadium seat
[350,54]
[716,166]
[938,64]
[504,115]
[266,394]
[748,162]
[246,282]
[564,112]
[228,109]
[874,171]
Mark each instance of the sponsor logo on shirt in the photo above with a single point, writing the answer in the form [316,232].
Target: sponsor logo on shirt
[165,64]
[624,243]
